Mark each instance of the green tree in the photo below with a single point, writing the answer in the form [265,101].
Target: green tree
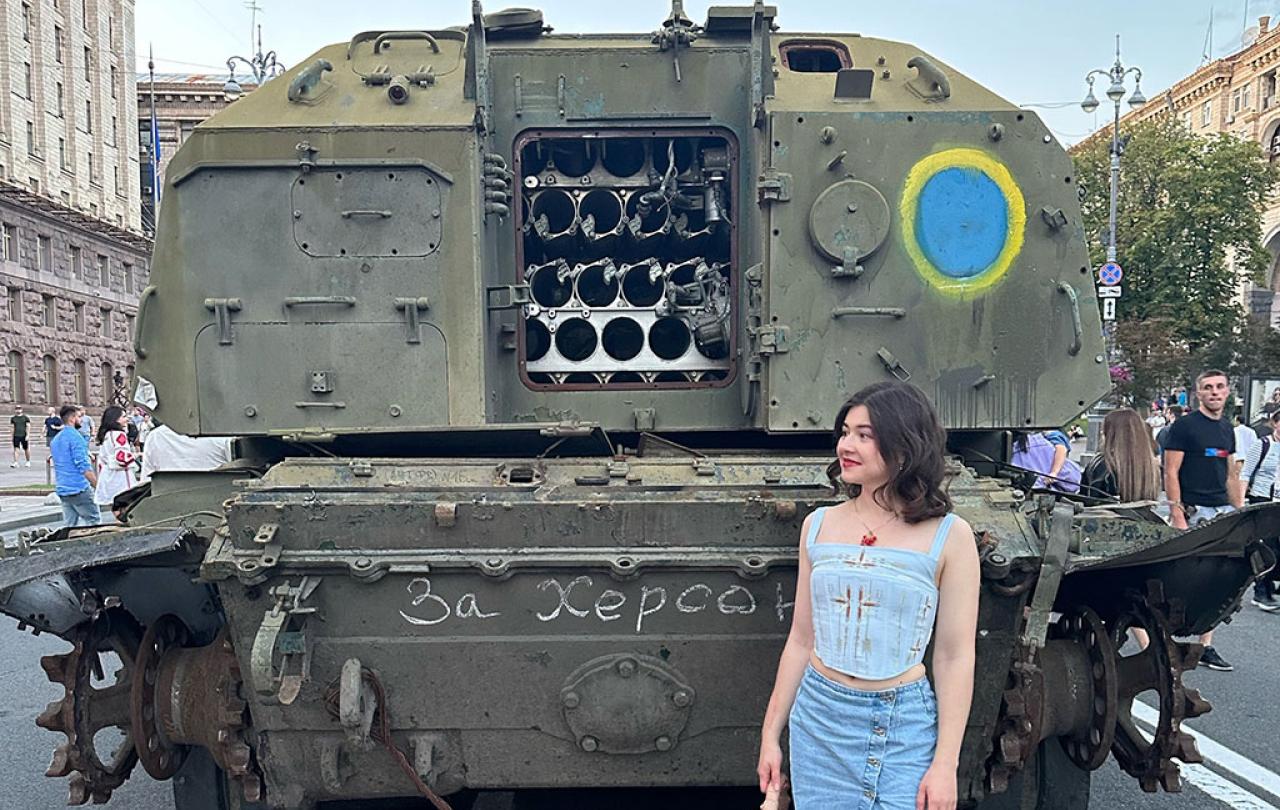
[1188,233]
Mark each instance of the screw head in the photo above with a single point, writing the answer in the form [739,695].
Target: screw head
[626,667]
[663,743]
[682,698]
[570,699]
[589,743]
[250,411]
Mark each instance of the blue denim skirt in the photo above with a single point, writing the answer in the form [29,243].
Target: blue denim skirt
[855,750]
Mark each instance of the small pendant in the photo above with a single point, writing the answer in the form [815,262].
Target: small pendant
[869,539]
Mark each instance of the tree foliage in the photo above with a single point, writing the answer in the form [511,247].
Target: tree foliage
[1188,234]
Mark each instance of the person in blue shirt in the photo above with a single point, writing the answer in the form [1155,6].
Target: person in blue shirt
[74,472]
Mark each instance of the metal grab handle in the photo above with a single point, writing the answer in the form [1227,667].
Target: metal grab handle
[932,74]
[366,212]
[147,293]
[306,80]
[319,300]
[886,312]
[1076,325]
[390,35]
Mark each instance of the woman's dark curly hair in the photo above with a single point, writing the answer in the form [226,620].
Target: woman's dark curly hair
[912,443]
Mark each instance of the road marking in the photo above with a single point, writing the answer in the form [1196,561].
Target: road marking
[1233,763]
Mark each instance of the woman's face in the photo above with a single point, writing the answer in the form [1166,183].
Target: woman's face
[857,450]
[120,422]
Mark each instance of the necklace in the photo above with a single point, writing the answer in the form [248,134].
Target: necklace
[869,539]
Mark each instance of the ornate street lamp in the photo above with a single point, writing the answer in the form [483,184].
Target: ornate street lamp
[262,66]
[1117,73]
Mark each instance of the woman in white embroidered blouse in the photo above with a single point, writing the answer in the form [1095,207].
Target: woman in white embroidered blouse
[116,458]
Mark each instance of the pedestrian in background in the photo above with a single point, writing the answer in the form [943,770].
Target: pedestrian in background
[1245,437]
[1196,456]
[1046,454]
[116,458]
[1126,467]
[86,424]
[1258,473]
[20,422]
[73,471]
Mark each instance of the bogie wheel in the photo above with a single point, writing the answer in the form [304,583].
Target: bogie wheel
[1049,781]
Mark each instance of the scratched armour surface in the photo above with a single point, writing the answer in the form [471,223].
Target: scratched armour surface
[873,607]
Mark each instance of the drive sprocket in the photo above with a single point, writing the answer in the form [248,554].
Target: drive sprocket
[94,700]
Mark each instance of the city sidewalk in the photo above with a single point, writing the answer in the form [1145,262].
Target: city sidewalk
[25,500]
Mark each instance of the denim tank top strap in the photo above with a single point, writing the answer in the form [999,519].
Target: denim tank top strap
[940,539]
[814,526]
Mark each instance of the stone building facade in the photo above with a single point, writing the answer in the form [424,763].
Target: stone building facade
[69,288]
[1237,95]
[72,257]
[68,106]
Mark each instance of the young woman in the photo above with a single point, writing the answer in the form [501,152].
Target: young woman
[115,458]
[1047,455]
[879,575]
[1126,468]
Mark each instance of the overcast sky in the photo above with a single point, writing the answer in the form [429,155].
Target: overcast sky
[1032,52]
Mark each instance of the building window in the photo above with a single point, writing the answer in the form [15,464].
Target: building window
[84,13]
[1206,113]
[15,304]
[16,366]
[93,174]
[115,172]
[1244,97]
[44,256]
[82,382]
[1235,101]
[34,182]
[31,139]
[65,196]
[79,317]
[105,323]
[50,313]
[77,264]
[88,61]
[114,93]
[104,271]
[26,72]
[114,129]
[186,128]
[88,116]
[10,243]
[62,153]
[49,365]
[108,383]
[61,100]
[128,326]
[26,21]
[57,44]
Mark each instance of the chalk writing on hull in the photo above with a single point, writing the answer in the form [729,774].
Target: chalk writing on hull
[581,599]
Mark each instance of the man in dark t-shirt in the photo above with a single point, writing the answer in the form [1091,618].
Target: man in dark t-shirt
[20,421]
[1197,453]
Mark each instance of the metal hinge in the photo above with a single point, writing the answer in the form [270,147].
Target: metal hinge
[509,296]
[772,339]
[773,186]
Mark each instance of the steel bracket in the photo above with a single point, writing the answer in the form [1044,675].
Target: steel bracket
[774,186]
[1052,569]
[223,307]
[283,633]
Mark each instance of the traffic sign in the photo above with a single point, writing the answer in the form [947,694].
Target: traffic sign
[1109,292]
[1108,309]
[1110,274]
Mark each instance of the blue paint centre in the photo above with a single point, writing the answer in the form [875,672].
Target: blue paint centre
[962,221]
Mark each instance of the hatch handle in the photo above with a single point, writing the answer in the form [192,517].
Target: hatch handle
[881,312]
[411,307]
[383,39]
[936,83]
[1076,325]
[366,212]
[308,78]
[892,364]
[319,301]
[147,295]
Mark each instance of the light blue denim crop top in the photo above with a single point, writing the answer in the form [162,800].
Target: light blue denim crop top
[873,607]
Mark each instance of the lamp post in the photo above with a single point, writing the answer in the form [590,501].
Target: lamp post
[262,66]
[1117,74]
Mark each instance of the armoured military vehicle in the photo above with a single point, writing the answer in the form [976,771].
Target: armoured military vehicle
[531,344]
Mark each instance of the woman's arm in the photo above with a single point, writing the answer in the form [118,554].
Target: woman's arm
[791,666]
[1059,458]
[953,661]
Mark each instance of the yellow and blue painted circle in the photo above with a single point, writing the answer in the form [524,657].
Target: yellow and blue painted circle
[963,220]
